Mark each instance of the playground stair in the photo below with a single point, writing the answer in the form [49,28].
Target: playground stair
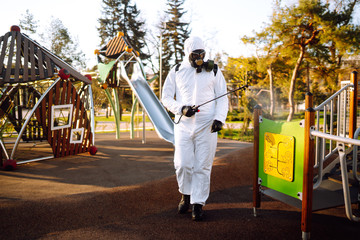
[311,164]
[328,195]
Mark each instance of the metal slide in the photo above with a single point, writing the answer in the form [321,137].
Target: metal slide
[159,117]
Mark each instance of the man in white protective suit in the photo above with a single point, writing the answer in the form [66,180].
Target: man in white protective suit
[190,84]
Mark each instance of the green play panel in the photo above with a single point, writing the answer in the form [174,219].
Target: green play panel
[281,156]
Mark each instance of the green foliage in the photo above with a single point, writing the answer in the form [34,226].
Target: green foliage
[236,134]
[28,24]
[99,95]
[122,16]
[63,44]
[318,95]
[235,116]
[322,33]
[126,118]
[174,33]
[57,38]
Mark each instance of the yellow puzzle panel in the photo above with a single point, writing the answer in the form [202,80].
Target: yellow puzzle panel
[279,156]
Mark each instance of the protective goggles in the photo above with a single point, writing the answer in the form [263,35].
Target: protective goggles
[197,54]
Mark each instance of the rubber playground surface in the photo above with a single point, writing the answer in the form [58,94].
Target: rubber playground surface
[128,190]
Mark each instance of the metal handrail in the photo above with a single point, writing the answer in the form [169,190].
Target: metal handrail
[335,138]
[332,97]
[341,141]
[345,183]
[320,146]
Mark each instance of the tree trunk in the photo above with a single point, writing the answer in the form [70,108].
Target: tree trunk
[292,84]
[230,103]
[271,88]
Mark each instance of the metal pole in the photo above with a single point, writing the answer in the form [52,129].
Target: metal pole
[256,187]
[345,183]
[3,149]
[160,74]
[92,114]
[137,120]
[160,64]
[144,126]
[117,112]
[29,117]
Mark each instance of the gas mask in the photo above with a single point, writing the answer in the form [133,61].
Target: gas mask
[196,59]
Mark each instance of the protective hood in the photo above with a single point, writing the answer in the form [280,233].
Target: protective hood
[192,44]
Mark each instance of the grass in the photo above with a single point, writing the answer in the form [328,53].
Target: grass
[236,134]
[125,118]
[229,133]
[248,136]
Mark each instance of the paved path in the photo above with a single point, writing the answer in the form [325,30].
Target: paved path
[129,191]
[119,162]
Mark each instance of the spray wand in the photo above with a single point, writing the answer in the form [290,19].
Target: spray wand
[196,108]
[237,89]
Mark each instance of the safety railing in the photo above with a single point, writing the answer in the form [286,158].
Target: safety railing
[341,141]
[319,144]
[326,136]
[334,110]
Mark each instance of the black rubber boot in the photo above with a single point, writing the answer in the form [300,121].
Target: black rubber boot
[197,212]
[184,204]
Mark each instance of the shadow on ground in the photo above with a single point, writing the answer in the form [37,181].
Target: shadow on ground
[83,198]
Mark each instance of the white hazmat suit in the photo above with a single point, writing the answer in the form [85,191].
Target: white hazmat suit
[195,144]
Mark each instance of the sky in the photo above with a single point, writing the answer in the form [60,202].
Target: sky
[220,24]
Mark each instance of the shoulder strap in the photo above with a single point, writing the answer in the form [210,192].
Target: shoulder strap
[215,69]
[177,67]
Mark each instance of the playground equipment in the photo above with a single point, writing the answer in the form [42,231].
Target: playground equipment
[115,75]
[43,102]
[298,162]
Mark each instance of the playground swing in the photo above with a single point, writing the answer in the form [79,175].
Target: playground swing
[287,153]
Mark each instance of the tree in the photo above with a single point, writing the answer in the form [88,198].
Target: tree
[296,28]
[339,40]
[238,72]
[122,16]
[99,96]
[174,33]
[63,45]
[266,56]
[28,24]
[312,30]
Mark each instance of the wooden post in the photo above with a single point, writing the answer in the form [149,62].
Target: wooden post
[256,188]
[1,158]
[353,104]
[309,157]
[308,100]
[353,112]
